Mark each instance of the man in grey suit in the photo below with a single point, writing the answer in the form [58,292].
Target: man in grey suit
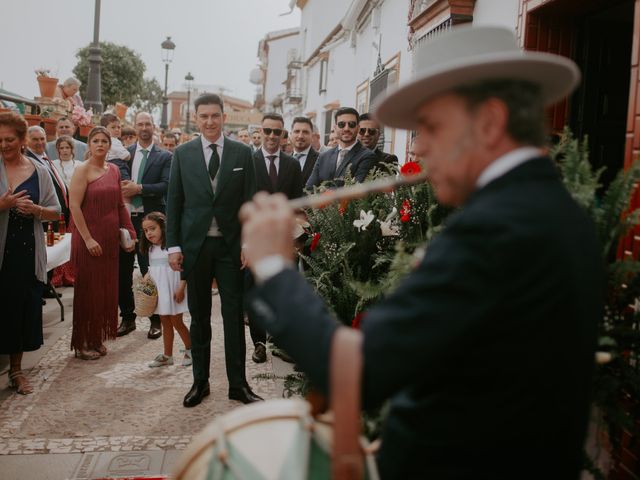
[332,165]
[64,126]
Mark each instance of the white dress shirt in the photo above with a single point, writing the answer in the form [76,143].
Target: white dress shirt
[268,162]
[135,170]
[207,151]
[302,156]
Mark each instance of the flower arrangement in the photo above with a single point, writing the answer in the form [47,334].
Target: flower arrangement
[358,250]
[81,117]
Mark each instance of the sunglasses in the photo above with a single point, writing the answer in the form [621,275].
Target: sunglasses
[351,124]
[370,131]
[276,131]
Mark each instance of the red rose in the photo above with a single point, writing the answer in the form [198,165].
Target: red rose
[314,242]
[410,168]
[405,211]
[405,218]
[355,323]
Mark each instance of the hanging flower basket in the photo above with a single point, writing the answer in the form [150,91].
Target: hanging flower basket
[47,86]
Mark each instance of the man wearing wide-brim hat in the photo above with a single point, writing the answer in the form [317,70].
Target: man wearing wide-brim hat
[486,350]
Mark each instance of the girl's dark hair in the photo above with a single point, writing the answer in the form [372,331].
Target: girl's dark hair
[160,219]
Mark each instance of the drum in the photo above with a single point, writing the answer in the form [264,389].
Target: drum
[272,440]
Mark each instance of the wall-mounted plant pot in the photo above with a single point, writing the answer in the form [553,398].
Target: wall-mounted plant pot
[47,86]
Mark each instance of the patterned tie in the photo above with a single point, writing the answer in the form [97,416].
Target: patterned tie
[136,201]
[58,180]
[298,156]
[341,154]
[214,161]
[273,173]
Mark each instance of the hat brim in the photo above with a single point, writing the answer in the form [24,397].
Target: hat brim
[557,76]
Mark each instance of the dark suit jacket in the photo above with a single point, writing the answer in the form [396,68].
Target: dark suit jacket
[309,163]
[155,178]
[60,193]
[383,160]
[486,350]
[289,175]
[192,203]
[359,160]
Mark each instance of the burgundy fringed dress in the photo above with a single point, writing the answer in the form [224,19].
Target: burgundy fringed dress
[95,299]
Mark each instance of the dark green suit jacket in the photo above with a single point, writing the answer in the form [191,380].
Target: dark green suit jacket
[192,204]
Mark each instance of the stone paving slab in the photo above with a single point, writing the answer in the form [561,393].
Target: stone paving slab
[117,403]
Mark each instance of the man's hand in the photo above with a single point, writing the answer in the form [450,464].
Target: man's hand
[175,261]
[267,226]
[130,189]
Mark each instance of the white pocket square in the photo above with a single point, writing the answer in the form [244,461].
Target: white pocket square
[239,169]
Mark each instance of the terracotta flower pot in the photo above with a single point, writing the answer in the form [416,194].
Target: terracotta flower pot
[121,110]
[49,128]
[47,86]
[32,119]
[85,129]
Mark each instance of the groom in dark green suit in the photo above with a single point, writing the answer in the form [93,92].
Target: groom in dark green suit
[211,177]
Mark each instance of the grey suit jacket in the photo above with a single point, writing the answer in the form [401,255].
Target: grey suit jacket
[79,147]
[359,160]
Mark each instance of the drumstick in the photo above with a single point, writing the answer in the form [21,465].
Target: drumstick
[358,190]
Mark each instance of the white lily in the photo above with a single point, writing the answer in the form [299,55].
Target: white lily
[389,230]
[365,219]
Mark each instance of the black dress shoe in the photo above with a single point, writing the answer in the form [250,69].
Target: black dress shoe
[244,395]
[125,328]
[154,332]
[196,394]
[259,354]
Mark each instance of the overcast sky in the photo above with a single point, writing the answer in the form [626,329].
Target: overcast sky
[216,40]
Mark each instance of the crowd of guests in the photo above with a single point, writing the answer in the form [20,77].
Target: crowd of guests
[122,178]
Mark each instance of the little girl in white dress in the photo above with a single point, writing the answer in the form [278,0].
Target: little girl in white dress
[172,300]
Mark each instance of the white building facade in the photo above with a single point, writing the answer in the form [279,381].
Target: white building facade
[348,53]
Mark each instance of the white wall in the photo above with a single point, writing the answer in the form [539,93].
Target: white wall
[502,13]
[277,66]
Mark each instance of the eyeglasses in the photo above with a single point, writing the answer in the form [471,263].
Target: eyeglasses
[268,131]
[351,124]
[370,131]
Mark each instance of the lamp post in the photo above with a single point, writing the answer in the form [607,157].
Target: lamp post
[167,55]
[94,87]
[189,79]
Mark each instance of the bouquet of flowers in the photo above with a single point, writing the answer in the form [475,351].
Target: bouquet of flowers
[80,116]
[145,295]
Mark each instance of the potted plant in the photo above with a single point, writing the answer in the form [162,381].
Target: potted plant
[48,123]
[121,110]
[82,118]
[46,83]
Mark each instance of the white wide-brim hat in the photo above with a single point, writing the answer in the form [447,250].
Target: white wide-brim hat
[466,56]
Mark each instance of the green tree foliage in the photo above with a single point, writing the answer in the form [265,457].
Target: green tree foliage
[151,96]
[122,72]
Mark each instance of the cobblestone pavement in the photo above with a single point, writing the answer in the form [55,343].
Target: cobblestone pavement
[117,403]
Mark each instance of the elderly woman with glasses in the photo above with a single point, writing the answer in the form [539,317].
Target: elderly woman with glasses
[69,91]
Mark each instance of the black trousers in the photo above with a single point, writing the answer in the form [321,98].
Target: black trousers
[258,335]
[215,261]
[125,275]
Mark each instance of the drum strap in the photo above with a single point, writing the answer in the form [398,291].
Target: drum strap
[346,372]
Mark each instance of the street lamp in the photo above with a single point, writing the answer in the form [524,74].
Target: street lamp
[189,79]
[167,55]
[94,87]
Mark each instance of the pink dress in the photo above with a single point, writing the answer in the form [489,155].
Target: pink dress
[95,300]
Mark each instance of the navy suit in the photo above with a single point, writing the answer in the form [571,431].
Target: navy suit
[359,160]
[155,182]
[486,350]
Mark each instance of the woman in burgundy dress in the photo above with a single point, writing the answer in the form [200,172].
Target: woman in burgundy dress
[98,213]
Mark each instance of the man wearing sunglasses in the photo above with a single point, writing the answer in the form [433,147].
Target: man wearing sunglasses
[369,136]
[348,155]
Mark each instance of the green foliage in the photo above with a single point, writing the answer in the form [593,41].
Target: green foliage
[150,98]
[365,246]
[617,383]
[121,71]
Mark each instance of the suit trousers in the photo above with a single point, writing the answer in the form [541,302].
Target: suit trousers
[258,335]
[125,280]
[215,261]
